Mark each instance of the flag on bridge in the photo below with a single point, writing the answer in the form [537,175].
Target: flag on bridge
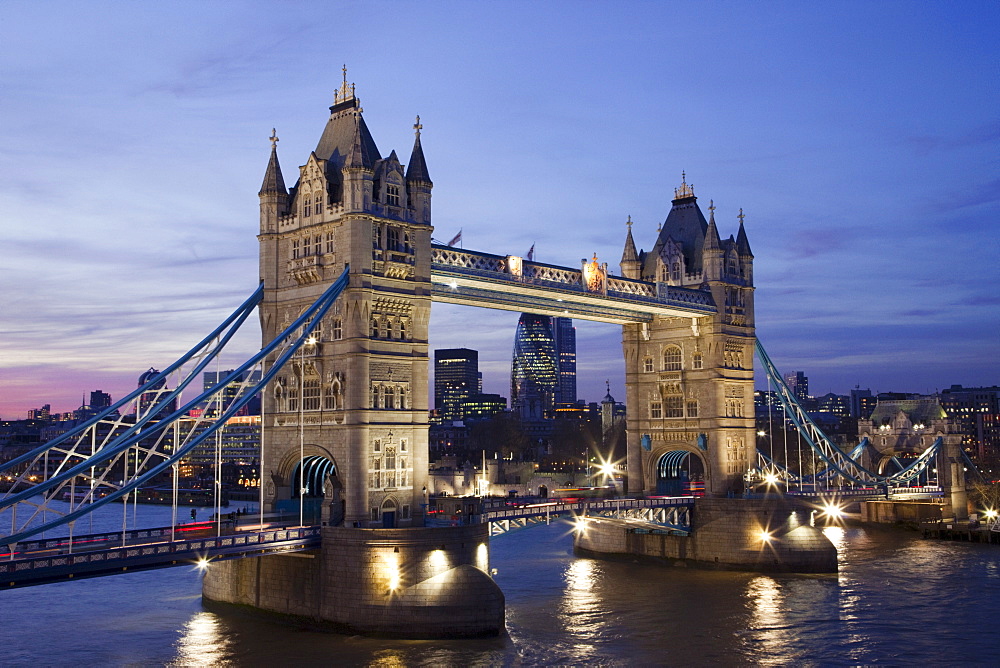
[455,239]
[531,253]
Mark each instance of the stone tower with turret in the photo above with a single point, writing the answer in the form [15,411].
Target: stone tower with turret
[354,401]
[689,381]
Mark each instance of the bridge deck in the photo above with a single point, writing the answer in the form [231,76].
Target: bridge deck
[41,562]
[480,279]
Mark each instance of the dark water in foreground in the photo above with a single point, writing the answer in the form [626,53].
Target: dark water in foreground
[898,599]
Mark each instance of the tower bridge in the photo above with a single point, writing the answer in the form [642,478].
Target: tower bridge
[348,276]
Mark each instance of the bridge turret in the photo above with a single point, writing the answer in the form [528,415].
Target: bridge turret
[359,173]
[743,248]
[418,181]
[712,255]
[631,265]
[273,194]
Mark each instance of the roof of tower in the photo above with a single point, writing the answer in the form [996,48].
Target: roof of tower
[712,240]
[416,170]
[629,254]
[686,225]
[273,181]
[742,243]
[362,153]
[346,131]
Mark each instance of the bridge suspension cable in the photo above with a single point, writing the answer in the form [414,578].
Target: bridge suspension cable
[149,438]
[839,464]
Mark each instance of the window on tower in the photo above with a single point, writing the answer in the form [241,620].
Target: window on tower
[392,195]
[672,359]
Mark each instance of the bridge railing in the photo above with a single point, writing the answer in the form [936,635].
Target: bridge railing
[496,268]
[49,568]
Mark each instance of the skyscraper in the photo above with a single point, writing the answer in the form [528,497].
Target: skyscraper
[798,383]
[534,371]
[565,345]
[456,378]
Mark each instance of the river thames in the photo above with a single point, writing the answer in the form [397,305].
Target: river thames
[898,599]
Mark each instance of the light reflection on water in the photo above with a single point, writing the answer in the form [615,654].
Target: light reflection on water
[201,643]
[897,599]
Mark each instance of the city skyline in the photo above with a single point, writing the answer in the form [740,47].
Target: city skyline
[860,141]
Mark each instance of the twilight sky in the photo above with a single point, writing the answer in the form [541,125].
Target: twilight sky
[861,139]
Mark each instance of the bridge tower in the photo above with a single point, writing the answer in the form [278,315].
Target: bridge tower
[689,381]
[354,400]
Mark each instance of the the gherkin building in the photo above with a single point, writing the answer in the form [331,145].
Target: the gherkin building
[534,373]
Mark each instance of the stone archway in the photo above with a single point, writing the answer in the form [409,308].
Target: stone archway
[679,472]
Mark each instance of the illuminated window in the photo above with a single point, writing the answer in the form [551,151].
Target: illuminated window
[672,359]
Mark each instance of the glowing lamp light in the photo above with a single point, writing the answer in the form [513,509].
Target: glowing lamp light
[771,479]
[833,510]
[580,526]
[765,536]
[202,564]
[607,469]
[991,514]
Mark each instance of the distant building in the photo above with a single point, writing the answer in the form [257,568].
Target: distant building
[456,378]
[534,372]
[565,344]
[482,406]
[837,404]
[223,400]
[798,383]
[976,410]
[862,403]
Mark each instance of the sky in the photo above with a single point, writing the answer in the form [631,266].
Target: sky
[862,140]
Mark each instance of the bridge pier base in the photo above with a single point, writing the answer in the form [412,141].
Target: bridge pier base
[404,583]
[726,534]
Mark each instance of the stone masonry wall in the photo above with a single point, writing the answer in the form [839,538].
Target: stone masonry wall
[419,583]
[726,533]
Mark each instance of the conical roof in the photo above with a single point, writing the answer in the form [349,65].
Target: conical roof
[416,170]
[273,181]
[686,225]
[346,133]
[742,243]
[629,254]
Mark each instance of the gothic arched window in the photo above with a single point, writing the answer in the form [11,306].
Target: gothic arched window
[672,359]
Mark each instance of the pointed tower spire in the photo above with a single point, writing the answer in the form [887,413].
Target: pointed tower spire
[416,170]
[630,263]
[742,243]
[359,156]
[273,181]
[712,240]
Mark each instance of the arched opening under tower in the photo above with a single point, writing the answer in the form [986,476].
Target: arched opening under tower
[309,476]
[680,473]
